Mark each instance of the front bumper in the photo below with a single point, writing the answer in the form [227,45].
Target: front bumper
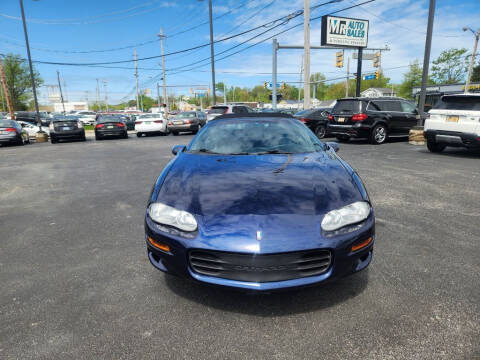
[453,138]
[357,130]
[344,262]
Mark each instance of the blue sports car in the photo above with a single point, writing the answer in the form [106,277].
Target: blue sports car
[257,202]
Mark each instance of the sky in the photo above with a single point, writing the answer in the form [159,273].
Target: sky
[100,31]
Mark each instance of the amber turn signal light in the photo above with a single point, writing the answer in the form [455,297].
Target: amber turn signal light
[162,247]
[362,244]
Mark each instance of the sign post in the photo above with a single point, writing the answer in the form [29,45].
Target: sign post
[346,32]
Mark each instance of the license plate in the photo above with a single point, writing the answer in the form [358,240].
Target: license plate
[452,118]
[110,127]
[66,128]
[178,122]
[341,120]
[148,122]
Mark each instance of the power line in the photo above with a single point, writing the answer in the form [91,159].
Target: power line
[85,21]
[285,19]
[279,33]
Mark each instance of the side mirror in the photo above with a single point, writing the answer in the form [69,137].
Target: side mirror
[23,125]
[178,148]
[333,145]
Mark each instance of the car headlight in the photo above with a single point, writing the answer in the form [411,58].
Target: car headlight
[350,214]
[168,215]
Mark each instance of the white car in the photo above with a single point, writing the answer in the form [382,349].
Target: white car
[33,129]
[218,110]
[151,124]
[454,121]
[87,117]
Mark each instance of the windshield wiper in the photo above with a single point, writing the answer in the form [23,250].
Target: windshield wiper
[273,152]
[206,151]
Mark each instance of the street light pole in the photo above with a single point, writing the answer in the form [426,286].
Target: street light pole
[426,61]
[472,60]
[306,52]
[212,56]
[32,78]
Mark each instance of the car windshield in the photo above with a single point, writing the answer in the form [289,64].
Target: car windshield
[251,136]
[218,110]
[346,107]
[64,118]
[6,123]
[459,103]
[187,114]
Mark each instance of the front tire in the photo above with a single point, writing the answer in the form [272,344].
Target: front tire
[139,134]
[320,131]
[379,134]
[175,133]
[435,147]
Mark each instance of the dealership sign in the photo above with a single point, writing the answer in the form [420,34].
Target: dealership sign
[340,31]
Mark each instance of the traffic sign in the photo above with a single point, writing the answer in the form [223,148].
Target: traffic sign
[369,77]
[200,94]
[270,85]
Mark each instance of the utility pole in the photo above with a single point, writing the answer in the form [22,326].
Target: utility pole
[212,57]
[348,77]
[162,37]
[224,94]
[274,75]
[426,61]
[136,75]
[61,93]
[472,59]
[6,93]
[158,97]
[359,72]
[105,92]
[32,78]
[97,95]
[65,89]
[306,53]
[300,87]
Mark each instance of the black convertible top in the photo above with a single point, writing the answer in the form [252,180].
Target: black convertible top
[254,115]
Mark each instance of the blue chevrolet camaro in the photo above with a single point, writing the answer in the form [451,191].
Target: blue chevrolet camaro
[258,202]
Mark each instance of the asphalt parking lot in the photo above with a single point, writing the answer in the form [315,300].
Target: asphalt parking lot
[76,282]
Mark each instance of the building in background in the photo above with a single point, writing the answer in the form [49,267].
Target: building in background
[70,106]
[378,92]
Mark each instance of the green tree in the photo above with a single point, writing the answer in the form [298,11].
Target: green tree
[336,91]
[321,87]
[475,74]
[450,67]
[19,84]
[413,77]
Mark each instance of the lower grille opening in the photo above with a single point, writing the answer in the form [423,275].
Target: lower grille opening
[260,268]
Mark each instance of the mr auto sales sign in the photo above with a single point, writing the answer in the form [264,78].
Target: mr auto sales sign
[340,31]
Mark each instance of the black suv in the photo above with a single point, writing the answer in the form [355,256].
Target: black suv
[315,119]
[376,119]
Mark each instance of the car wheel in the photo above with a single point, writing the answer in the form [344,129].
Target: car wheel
[175,133]
[97,137]
[320,131]
[52,140]
[139,134]
[379,134]
[343,138]
[21,142]
[125,136]
[435,147]
[84,138]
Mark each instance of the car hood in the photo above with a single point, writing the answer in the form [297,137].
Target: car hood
[283,196]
